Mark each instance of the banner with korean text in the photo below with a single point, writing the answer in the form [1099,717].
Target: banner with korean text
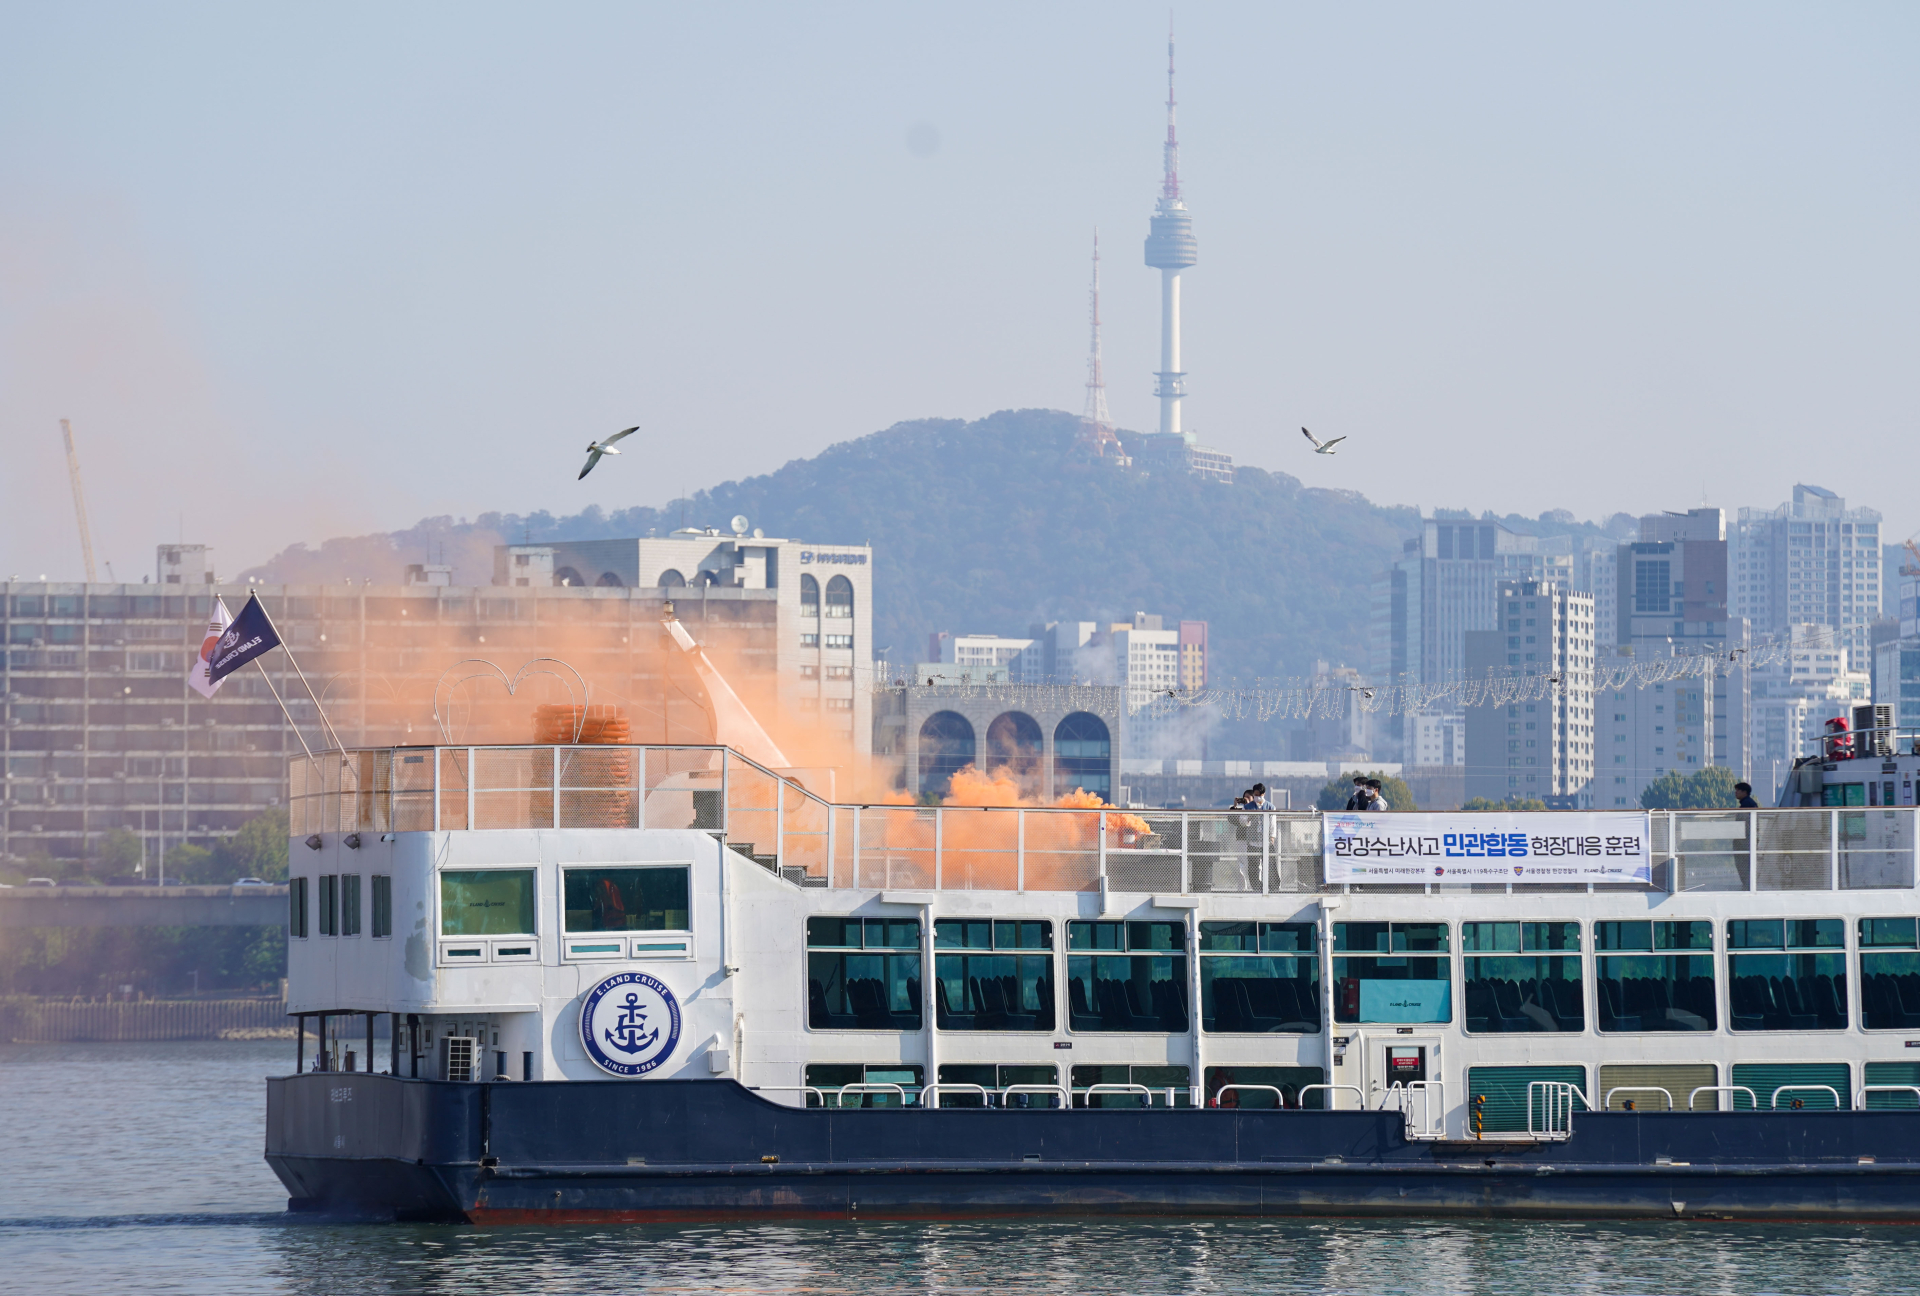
[1521,847]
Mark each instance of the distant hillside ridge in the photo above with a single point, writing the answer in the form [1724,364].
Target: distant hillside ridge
[991,526]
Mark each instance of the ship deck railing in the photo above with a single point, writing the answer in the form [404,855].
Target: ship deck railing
[776,820]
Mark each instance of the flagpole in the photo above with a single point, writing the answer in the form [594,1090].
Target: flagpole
[318,709]
[283,707]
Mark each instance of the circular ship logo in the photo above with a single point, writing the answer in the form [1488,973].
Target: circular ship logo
[629,1024]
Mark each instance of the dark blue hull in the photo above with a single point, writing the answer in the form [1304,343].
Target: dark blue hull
[693,1150]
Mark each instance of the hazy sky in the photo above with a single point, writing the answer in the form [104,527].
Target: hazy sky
[300,271]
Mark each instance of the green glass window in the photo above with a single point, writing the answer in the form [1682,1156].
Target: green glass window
[297,907]
[382,917]
[1133,977]
[1644,987]
[626,899]
[1790,987]
[1259,978]
[990,982]
[1514,986]
[1889,975]
[995,1078]
[349,904]
[831,1078]
[329,904]
[1392,972]
[486,902]
[863,973]
[1161,1082]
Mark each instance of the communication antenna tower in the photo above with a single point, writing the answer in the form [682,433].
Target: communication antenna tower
[1097,434]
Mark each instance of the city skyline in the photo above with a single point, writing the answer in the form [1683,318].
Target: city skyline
[457,277]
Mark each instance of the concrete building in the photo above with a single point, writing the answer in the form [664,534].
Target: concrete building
[819,599]
[1049,738]
[1811,561]
[1180,452]
[1017,658]
[1542,748]
[1437,739]
[1675,601]
[1792,699]
[99,732]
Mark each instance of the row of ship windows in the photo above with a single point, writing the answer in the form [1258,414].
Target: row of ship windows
[500,902]
[1265,978]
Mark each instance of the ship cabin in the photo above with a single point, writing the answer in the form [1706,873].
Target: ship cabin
[604,914]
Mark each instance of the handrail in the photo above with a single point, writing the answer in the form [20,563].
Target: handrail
[1145,1093]
[1279,1099]
[1553,1095]
[1358,1092]
[799,1089]
[1606,1103]
[876,1087]
[1872,1089]
[930,1094]
[1775,1104]
[1720,1089]
[1059,1091]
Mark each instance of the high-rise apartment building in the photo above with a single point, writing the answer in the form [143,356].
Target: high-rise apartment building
[1544,747]
[1793,698]
[1812,561]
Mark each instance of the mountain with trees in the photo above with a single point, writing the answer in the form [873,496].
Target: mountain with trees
[991,526]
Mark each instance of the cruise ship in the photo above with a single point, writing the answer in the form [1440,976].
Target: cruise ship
[603,981]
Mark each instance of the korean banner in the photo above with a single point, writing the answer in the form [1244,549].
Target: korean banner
[1518,847]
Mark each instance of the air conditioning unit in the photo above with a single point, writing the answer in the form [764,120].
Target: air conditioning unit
[459,1058]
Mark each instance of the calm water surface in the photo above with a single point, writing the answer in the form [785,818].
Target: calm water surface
[136,1168]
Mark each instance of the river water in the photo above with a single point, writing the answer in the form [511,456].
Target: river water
[136,1167]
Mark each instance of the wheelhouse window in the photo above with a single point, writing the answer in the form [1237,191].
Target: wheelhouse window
[297,907]
[486,902]
[1889,975]
[997,1079]
[863,973]
[1655,976]
[1392,972]
[993,975]
[329,904]
[626,899]
[1522,977]
[1787,974]
[1127,976]
[1259,978]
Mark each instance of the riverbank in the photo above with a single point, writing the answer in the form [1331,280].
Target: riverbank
[26,1019]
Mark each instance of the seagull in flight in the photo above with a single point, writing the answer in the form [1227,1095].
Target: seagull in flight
[597,448]
[1319,446]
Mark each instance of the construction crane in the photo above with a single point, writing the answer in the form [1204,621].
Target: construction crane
[1913,552]
[79,498]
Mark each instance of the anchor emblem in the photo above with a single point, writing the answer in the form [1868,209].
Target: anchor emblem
[630,1034]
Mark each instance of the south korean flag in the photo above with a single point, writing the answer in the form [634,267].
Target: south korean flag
[199,678]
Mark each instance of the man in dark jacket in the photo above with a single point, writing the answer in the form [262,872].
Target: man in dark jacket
[1743,792]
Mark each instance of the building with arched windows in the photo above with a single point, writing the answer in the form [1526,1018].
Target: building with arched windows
[798,611]
[1049,739]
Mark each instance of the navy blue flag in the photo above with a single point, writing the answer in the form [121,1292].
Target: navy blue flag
[251,635]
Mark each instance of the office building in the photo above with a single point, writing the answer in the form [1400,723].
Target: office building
[1049,739]
[1793,698]
[1540,747]
[1812,561]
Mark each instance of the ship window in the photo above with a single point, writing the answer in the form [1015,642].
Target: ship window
[1642,987]
[1252,983]
[1514,985]
[1788,988]
[1288,1080]
[382,917]
[626,899]
[297,907]
[831,1077]
[999,988]
[995,1078]
[863,973]
[350,904]
[1889,975]
[329,904]
[1392,972]
[486,902]
[1162,1083]
[1137,981]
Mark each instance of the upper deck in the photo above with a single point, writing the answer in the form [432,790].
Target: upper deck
[774,818]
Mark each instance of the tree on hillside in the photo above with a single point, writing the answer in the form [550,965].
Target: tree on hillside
[1709,789]
[1334,795]
[1516,805]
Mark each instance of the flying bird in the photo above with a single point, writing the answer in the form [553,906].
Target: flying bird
[1319,446]
[597,448]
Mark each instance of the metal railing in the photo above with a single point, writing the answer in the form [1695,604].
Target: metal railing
[1717,1090]
[1551,1117]
[1606,1103]
[775,818]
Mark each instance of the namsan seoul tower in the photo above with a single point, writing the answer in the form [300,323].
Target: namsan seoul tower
[1170,249]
